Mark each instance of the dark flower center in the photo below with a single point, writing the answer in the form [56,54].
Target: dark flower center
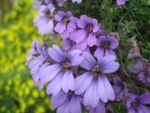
[48,14]
[97,70]
[66,20]
[66,64]
[90,28]
[105,44]
[135,104]
[71,93]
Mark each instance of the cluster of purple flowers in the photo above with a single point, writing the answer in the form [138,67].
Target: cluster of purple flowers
[84,72]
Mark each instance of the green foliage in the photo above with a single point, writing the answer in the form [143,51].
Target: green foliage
[17,91]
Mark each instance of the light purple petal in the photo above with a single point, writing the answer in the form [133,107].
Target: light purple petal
[82,22]
[75,106]
[75,57]
[78,36]
[82,45]
[54,86]
[92,40]
[83,82]
[56,53]
[59,16]
[105,89]
[60,27]
[68,81]
[113,42]
[109,65]
[88,61]
[91,96]
[65,34]
[109,52]
[99,53]
[100,108]
[59,99]
[48,74]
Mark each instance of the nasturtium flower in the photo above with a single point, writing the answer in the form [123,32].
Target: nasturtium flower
[105,46]
[67,102]
[93,83]
[60,74]
[44,21]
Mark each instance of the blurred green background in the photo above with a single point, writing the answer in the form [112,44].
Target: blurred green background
[17,91]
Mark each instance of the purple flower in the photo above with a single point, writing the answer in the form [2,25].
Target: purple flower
[67,102]
[121,2]
[106,46]
[36,56]
[86,33]
[78,1]
[120,88]
[44,20]
[100,108]
[134,53]
[64,19]
[136,104]
[60,75]
[94,83]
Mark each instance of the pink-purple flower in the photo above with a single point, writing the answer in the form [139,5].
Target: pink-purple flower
[85,35]
[67,102]
[44,21]
[106,46]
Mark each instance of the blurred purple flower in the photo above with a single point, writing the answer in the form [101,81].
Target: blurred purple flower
[120,88]
[94,83]
[137,104]
[121,2]
[64,20]
[78,1]
[86,33]
[60,75]
[67,102]
[44,21]
[36,56]
[105,46]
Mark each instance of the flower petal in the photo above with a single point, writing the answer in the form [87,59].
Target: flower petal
[59,99]
[144,98]
[83,82]
[48,74]
[68,81]
[56,53]
[91,96]
[92,40]
[54,86]
[60,27]
[99,53]
[78,36]
[109,65]
[105,89]
[88,61]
